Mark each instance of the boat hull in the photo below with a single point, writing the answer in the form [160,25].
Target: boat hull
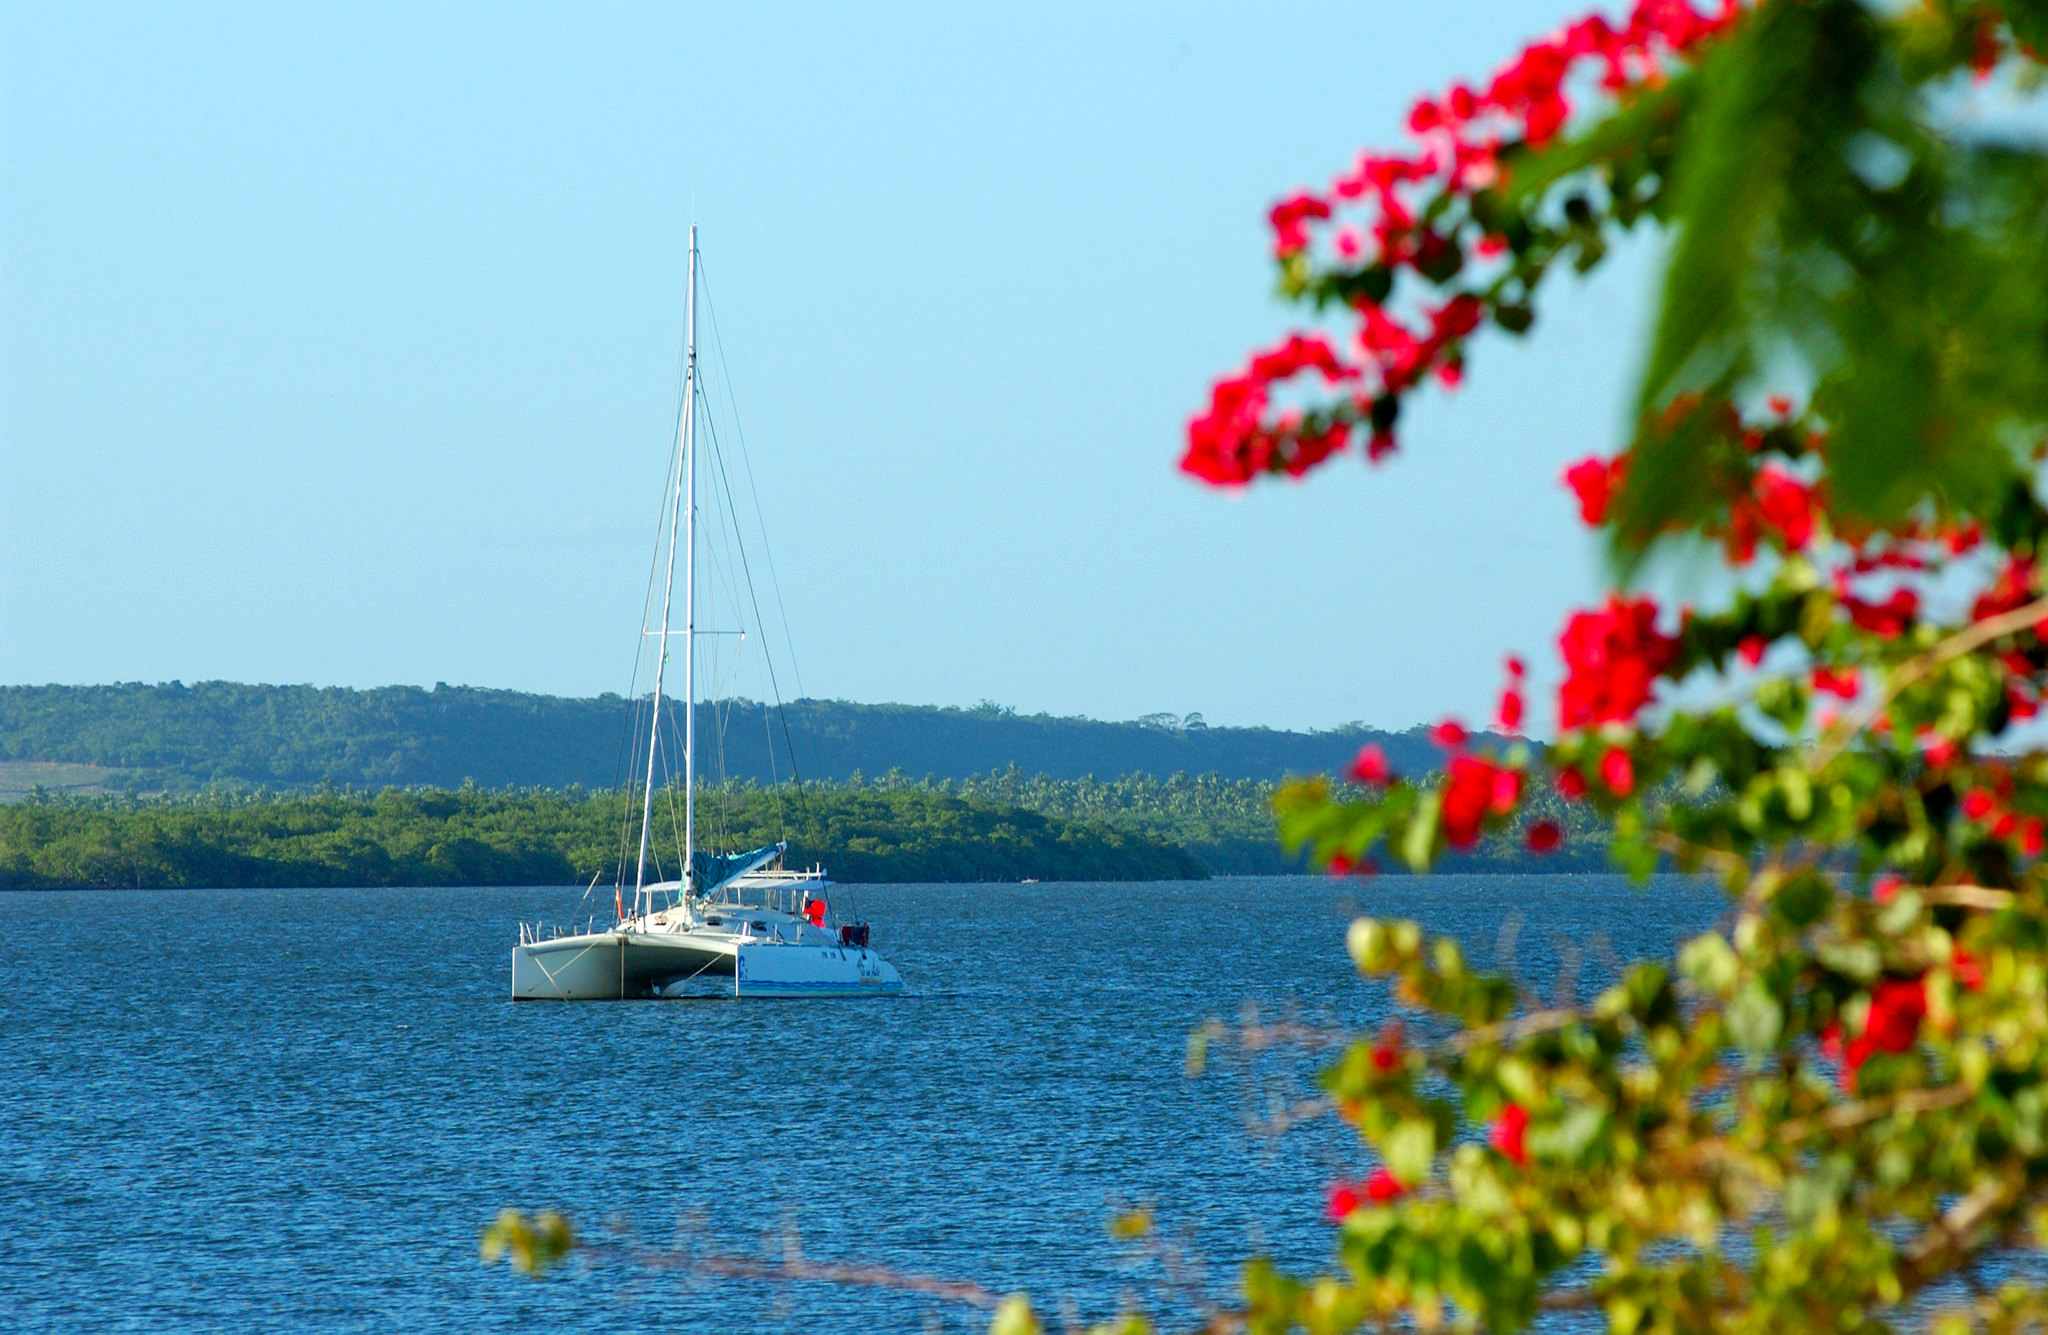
[623,966]
[774,969]
[609,966]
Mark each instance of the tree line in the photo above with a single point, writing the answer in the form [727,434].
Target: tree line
[540,837]
[1002,826]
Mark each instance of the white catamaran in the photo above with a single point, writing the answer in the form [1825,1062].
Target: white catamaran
[738,918]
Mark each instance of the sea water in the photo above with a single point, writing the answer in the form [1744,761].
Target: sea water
[296,1110]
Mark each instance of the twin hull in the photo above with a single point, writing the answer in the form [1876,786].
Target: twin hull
[619,965]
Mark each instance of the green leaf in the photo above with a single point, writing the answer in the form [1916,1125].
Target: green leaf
[1710,962]
[1755,1019]
[1410,1149]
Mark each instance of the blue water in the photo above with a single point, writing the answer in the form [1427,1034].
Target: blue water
[292,1110]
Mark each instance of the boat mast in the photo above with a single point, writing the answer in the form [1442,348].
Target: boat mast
[686,479]
[690,595]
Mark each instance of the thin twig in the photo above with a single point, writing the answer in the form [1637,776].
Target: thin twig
[1507,1031]
[965,1292]
[1965,896]
[1967,640]
[1845,1115]
[1951,1233]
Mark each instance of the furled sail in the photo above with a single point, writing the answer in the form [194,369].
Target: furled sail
[708,871]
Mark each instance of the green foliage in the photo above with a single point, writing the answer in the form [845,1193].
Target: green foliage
[1839,224]
[1836,1107]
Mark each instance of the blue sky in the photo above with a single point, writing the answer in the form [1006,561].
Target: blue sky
[337,344]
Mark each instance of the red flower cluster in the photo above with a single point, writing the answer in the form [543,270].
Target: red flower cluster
[1474,790]
[1897,1007]
[1460,138]
[1230,443]
[1612,656]
[1544,837]
[1345,1197]
[1990,809]
[1779,506]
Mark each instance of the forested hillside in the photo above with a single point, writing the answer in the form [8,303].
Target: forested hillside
[174,737]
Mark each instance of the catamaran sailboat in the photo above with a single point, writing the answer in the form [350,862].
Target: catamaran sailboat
[741,917]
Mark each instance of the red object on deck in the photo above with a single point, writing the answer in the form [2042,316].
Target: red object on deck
[815,911]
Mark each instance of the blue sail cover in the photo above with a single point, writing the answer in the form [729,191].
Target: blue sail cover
[708,871]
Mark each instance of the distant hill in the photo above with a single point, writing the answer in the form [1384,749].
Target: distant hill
[174,737]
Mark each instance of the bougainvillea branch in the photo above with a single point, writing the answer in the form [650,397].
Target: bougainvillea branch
[1852,1078]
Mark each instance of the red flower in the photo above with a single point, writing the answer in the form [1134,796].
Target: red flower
[2012,589]
[1844,683]
[1544,836]
[1383,1186]
[1612,656]
[1571,783]
[1984,50]
[1344,1197]
[1505,1134]
[1968,970]
[1779,405]
[1595,481]
[1752,649]
[1977,804]
[1507,789]
[1786,505]
[1450,734]
[1467,795]
[1884,887]
[1475,789]
[1386,1054]
[1369,766]
[1457,317]
[1897,1006]
[1618,772]
[1288,217]
[1511,701]
[1887,619]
